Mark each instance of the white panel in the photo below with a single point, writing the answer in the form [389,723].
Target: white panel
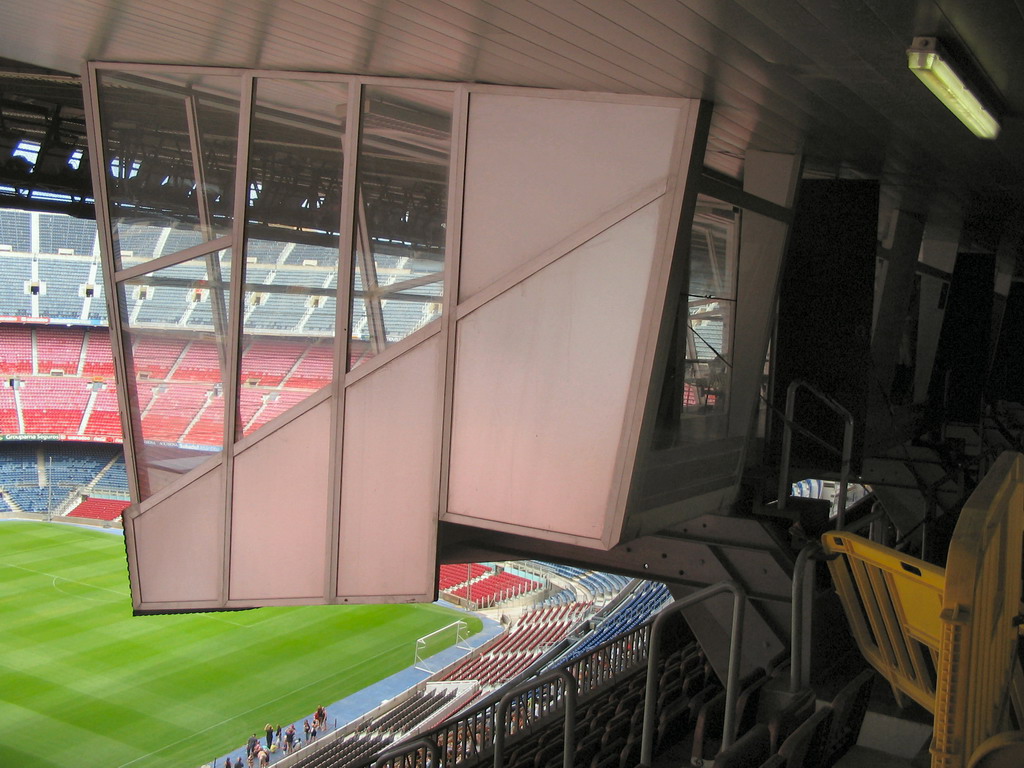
[538,169]
[762,246]
[390,478]
[279,515]
[542,377]
[179,544]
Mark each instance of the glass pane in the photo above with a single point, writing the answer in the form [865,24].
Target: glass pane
[162,137]
[174,321]
[402,205]
[291,270]
[711,308]
[695,400]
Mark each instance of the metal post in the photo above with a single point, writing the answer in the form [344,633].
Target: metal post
[787,443]
[569,721]
[404,749]
[844,474]
[796,637]
[739,598]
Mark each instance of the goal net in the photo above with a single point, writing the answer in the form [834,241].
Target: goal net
[456,633]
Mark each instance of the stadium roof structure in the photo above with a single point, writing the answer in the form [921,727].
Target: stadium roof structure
[828,78]
[606,188]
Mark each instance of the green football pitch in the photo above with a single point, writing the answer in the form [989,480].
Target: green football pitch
[84,684]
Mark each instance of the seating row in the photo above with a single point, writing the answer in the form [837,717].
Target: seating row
[522,644]
[494,589]
[97,508]
[633,611]
[27,350]
[452,575]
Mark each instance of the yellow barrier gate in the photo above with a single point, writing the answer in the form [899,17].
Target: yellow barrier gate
[946,638]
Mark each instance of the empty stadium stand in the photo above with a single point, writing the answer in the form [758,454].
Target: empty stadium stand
[56,477]
[51,275]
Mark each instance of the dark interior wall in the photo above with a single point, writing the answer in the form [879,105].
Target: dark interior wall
[1006,381]
[962,359]
[825,307]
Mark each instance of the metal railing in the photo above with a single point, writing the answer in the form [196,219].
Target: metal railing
[787,445]
[538,700]
[739,599]
[473,735]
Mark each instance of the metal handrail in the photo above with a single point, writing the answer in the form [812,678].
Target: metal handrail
[569,715]
[812,550]
[739,598]
[787,445]
[796,637]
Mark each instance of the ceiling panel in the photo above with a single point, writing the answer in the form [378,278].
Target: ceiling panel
[780,72]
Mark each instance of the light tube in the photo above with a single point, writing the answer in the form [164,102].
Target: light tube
[934,71]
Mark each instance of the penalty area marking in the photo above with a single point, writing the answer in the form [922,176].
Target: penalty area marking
[72,581]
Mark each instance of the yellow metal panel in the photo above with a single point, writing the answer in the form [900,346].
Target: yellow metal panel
[892,603]
[981,600]
[902,611]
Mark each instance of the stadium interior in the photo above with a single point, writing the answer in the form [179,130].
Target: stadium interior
[685,338]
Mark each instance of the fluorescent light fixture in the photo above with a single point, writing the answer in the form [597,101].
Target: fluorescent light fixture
[925,59]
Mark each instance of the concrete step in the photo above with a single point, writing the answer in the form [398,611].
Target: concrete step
[865,757]
[890,741]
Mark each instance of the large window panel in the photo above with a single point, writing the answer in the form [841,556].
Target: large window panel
[695,402]
[291,270]
[402,198]
[178,367]
[170,150]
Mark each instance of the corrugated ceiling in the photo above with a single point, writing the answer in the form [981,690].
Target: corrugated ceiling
[828,74]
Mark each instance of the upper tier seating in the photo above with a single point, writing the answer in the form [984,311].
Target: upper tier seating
[8,411]
[314,370]
[15,349]
[52,404]
[267,362]
[209,428]
[15,274]
[58,349]
[57,231]
[105,418]
[276,403]
[98,361]
[16,230]
[200,362]
[63,278]
[172,409]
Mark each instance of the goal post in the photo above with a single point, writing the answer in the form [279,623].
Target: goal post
[455,634]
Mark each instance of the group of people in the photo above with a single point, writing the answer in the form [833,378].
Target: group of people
[286,741]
